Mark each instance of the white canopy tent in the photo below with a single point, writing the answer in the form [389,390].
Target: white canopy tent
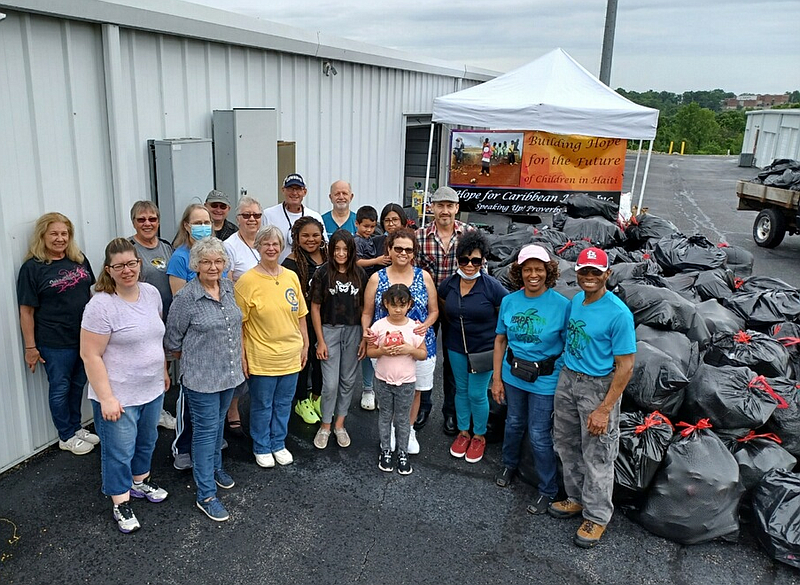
[554,94]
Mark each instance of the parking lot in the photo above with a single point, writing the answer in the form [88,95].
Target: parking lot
[332,517]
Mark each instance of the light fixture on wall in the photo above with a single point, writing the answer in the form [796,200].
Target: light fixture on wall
[328,69]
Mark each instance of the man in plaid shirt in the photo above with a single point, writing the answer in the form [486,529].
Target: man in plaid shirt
[437,255]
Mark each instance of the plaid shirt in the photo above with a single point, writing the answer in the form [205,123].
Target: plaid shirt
[432,255]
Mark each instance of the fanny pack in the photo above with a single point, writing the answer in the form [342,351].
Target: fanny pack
[528,371]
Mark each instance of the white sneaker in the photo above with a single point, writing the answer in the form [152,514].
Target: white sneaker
[265,459]
[368,400]
[413,444]
[85,435]
[75,446]
[166,420]
[283,457]
[392,440]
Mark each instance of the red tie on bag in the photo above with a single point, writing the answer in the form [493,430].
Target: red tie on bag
[761,383]
[752,435]
[703,423]
[742,337]
[653,419]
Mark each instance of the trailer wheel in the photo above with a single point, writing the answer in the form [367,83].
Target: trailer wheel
[769,228]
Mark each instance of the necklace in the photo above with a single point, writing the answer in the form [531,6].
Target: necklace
[268,273]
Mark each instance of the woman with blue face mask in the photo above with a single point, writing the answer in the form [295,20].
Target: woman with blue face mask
[195,225]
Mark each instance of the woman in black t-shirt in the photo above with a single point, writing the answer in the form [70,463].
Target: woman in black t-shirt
[52,289]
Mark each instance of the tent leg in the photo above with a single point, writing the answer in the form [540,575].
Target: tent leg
[644,178]
[427,175]
[636,168]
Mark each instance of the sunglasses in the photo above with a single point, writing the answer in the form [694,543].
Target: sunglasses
[590,272]
[402,250]
[218,205]
[250,215]
[464,260]
[152,219]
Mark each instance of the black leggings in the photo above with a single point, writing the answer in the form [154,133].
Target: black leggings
[312,365]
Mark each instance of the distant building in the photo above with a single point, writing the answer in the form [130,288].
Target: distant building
[750,100]
[771,134]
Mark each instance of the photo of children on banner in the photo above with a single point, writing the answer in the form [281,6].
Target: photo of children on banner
[484,158]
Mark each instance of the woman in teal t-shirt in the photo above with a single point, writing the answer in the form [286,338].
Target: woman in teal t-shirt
[531,326]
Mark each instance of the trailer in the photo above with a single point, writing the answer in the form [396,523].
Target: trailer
[777,211]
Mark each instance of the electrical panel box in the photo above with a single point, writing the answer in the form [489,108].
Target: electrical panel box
[246,153]
[182,172]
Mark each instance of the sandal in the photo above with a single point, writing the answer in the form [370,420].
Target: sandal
[235,427]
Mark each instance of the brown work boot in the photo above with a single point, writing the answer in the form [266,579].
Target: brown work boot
[589,534]
[564,509]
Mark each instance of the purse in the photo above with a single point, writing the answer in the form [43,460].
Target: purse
[529,371]
[479,361]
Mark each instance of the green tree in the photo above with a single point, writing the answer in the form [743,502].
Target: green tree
[699,128]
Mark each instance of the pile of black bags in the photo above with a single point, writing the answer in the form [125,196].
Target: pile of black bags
[711,417]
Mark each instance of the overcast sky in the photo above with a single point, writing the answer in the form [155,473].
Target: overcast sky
[673,45]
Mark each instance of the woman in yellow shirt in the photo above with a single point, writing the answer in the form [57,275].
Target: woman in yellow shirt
[275,340]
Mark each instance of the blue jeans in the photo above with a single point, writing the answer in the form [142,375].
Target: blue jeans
[472,398]
[368,373]
[67,379]
[270,407]
[208,410]
[126,445]
[533,412]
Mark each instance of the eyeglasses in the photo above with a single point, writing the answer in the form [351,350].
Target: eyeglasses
[402,250]
[123,265]
[590,272]
[218,205]
[201,222]
[464,260]
[219,262]
[392,220]
[152,219]
[250,215]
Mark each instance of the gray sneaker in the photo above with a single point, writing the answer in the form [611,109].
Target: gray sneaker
[150,490]
[182,461]
[75,446]
[85,435]
[126,519]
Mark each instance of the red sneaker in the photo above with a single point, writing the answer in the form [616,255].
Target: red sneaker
[475,450]
[459,446]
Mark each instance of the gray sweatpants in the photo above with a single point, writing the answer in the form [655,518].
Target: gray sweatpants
[340,370]
[395,404]
[588,460]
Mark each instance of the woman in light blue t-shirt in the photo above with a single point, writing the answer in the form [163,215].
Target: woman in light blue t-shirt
[531,327]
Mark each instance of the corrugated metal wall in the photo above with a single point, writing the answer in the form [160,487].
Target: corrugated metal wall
[78,102]
[778,134]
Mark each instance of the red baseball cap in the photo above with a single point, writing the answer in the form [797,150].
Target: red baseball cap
[592,258]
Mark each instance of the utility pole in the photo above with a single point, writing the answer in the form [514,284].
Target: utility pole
[608,42]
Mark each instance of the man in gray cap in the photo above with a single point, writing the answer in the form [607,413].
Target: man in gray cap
[437,255]
[219,206]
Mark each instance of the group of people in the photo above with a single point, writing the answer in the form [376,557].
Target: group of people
[233,312]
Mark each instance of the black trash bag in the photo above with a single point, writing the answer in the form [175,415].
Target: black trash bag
[585,205]
[740,261]
[718,319]
[618,255]
[597,230]
[730,397]
[572,249]
[509,245]
[678,253]
[684,351]
[663,309]
[550,239]
[757,351]
[559,217]
[763,283]
[501,274]
[683,283]
[714,284]
[695,495]
[776,512]
[657,382]
[764,308]
[757,455]
[785,421]
[643,440]
[788,334]
[635,271]
[644,230]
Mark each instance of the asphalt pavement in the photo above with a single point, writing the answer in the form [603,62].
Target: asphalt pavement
[332,517]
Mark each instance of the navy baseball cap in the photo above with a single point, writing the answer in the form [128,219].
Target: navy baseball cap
[294,180]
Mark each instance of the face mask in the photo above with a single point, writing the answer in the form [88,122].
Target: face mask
[200,231]
[465,277]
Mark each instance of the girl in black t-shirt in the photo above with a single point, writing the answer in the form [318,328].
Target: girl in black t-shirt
[337,301]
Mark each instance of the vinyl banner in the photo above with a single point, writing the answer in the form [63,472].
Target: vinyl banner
[528,172]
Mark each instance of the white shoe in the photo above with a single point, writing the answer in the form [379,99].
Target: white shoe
[392,440]
[368,400]
[283,457]
[265,459]
[413,444]
[85,435]
[76,446]
[166,420]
